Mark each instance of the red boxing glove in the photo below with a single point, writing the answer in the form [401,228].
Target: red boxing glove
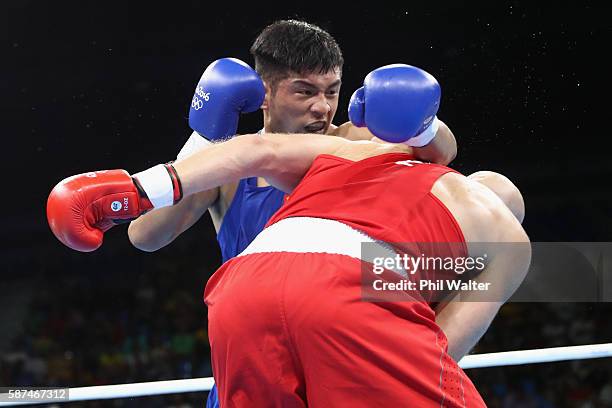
[82,207]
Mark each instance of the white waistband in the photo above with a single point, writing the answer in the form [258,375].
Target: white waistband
[307,234]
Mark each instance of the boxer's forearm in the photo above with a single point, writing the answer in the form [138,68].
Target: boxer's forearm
[159,228]
[281,159]
[441,150]
[464,323]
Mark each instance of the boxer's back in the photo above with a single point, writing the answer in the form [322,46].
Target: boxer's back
[481,214]
[394,198]
[388,197]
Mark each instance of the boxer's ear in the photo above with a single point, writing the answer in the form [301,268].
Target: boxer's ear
[266,104]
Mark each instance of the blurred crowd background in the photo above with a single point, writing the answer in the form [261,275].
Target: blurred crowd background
[105,324]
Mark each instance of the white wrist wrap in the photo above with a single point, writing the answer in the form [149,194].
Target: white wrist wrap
[426,136]
[157,184]
[194,144]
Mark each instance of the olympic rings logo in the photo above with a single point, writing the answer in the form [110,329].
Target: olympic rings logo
[196,103]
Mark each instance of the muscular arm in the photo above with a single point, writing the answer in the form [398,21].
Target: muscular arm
[281,159]
[465,318]
[158,228]
[441,150]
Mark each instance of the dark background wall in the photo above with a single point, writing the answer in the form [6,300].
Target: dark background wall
[91,86]
[94,85]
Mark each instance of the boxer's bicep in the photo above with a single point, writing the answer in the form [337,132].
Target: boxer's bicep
[281,157]
[291,155]
[508,259]
[297,151]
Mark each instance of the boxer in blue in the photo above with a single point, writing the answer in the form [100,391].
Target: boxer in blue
[296,82]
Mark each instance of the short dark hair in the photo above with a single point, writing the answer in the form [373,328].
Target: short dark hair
[294,46]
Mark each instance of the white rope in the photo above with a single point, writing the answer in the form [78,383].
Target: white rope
[545,355]
[506,358]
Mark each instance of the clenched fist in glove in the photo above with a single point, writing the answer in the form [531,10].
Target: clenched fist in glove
[82,207]
[398,103]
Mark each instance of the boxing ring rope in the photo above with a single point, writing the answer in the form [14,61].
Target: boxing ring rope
[506,358]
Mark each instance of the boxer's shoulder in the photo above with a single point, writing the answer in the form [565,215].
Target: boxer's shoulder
[475,208]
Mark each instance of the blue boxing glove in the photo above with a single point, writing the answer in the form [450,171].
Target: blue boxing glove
[398,103]
[227,88]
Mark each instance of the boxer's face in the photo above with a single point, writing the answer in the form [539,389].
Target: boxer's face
[302,103]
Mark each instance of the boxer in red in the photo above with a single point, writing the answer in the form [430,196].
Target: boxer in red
[287,323]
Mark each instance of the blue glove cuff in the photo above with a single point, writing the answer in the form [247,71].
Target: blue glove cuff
[425,136]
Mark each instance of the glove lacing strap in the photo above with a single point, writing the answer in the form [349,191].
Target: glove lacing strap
[160,185]
[177,187]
